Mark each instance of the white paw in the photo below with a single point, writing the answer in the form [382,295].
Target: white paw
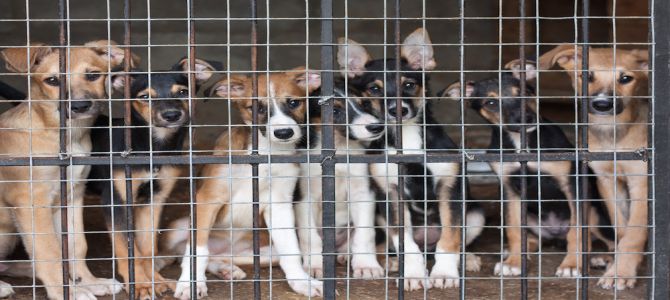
[101,286]
[416,277]
[342,259]
[567,272]
[5,289]
[619,279]
[473,263]
[366,267]
[81,294]
[600,261]
[506,270]
[183,290]
[443,278]
[307,287]
[226,270]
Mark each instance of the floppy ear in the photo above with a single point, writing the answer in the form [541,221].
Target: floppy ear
[453,91]
[308,80]
[108,49]
[565,55]
[641,58]
[17,60]
[231,87]
[203,69]
[515,67]
[352,57]
[417,49]
[119,81]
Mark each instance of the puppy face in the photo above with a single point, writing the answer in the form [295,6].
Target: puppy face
[359,118]
[161,99]
[377,79]
[87,69]
[611,87]
[282,103]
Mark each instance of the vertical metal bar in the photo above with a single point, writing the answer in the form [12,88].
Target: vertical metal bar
[192,93]
[584,145]
[661,92]
[524,149]
[398,145]
[254,149]
[128,148]
[63,108]
[328,151]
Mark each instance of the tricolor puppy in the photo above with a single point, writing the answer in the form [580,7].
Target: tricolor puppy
[159,116]
[552,209]
[355,124]
[224,197]
[34,192]
[432,219]
[618,114]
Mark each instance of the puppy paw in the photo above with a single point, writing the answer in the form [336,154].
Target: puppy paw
[307,287]
[505,269]
[366,267]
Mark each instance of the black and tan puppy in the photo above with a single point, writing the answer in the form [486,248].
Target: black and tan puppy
[551,201]
[32,129]
[432,190]
[160,113]
[618,117]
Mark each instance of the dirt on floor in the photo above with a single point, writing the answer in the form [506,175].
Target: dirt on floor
[478,285]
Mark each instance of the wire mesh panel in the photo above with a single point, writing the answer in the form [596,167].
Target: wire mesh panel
[336,149]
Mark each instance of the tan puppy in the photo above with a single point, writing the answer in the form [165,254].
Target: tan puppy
[32,129]
[224,199]
[618,113]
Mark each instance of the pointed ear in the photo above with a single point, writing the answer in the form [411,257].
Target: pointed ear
[308,80]
[17,60]
[515,67]
[417,49]
[108,49]
[641,57]
[231,87]
[566,56]
[352,57]
[203,69]
[453,91]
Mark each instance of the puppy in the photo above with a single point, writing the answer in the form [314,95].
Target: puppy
[159,119]
[432,190]
[355,124]
[34,192]
[618,114]
[552,211]
[224,196]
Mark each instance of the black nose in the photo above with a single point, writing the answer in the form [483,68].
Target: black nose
[393,111]
[375,128]
[283,134]
[171,115]
[602,105]
[80,106]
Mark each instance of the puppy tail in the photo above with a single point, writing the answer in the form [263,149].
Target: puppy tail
[474,222]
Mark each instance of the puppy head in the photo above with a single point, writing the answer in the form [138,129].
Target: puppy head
[614,78]
[370,78]
[87,69]
[357,118]
[498,99]
[161,98]
[282,101]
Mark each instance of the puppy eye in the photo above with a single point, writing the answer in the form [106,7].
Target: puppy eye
[143,97]
[409,85]
[293,104]
[623,79]
[92,76]
[337,112]
[183,92]
[374,89]
[491,102]
[52,81]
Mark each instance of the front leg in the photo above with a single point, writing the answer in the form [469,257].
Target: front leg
[512,265]
[308,236]
[280,220]
[415,274]
[362,209]
[445,271]
[571,264]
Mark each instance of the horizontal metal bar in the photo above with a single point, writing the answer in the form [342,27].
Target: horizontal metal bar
[316,158]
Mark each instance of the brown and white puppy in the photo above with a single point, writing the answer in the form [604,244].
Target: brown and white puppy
[34,192]
[224,198]
[618,117]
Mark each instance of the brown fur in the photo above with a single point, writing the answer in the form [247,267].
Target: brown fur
[631,134]
[38,190]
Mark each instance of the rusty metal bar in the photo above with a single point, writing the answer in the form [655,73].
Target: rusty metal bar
[398,145]
[254,149]
[582,223]
[524,149]
[63,109]
[192,187]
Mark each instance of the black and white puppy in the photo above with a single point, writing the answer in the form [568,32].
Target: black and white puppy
[551,201]
[355,124]
[432,190]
